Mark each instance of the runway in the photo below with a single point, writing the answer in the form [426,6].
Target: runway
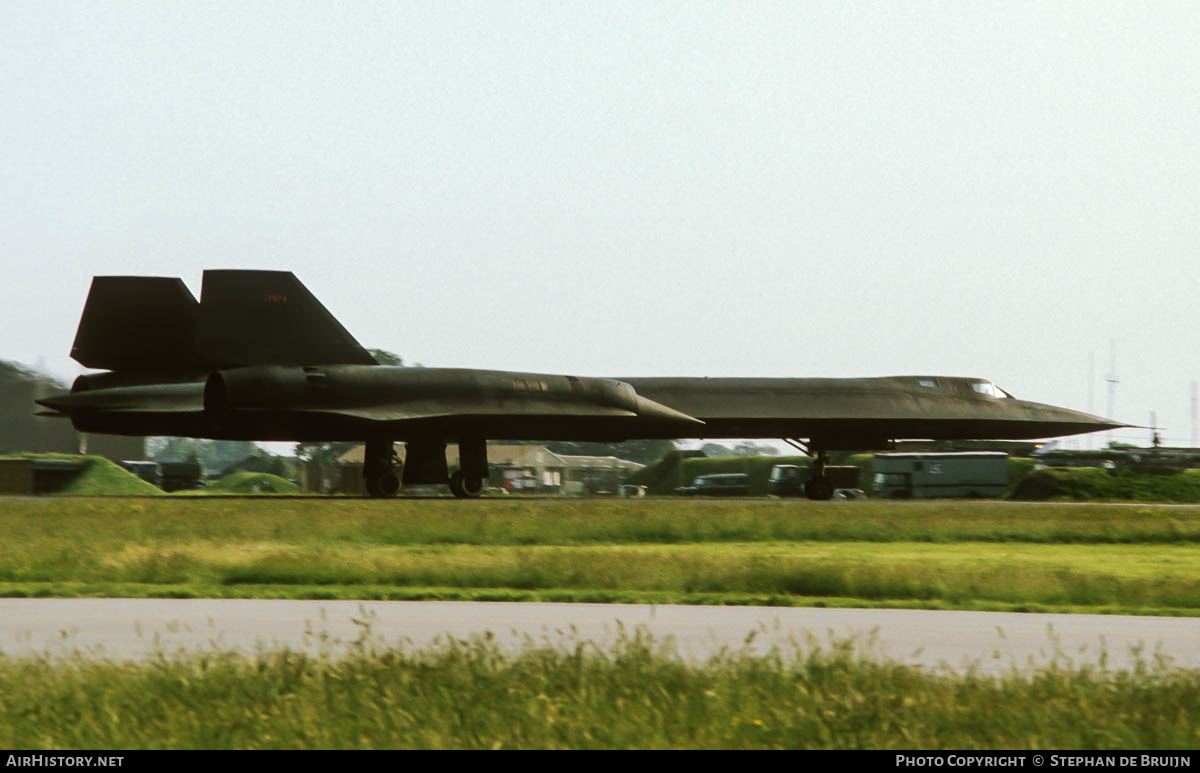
[988,642]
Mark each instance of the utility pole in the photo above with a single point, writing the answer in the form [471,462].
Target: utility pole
[1092,390]
[1193,413]
[1112,381]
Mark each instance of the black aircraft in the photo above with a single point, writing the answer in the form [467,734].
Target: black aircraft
[259,358]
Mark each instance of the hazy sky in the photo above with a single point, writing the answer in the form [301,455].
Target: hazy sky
[633,188]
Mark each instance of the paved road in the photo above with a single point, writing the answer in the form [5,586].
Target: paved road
[992,642]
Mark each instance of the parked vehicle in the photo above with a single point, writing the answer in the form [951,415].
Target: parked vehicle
[734,484]
[968,474]
[146,470]
[176,476]
[787,480]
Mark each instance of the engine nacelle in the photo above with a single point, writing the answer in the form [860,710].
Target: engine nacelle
[256,388]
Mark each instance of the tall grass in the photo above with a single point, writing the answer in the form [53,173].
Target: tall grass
[1084,577]
[636,694]
[1134,578]
[107,521]
[956,554]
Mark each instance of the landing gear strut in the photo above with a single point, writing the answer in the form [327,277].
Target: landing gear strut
[818,486]
[467,482]
[380,465]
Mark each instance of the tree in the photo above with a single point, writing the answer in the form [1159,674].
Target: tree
[744,448]
[326,453]
[172,449]
[384,357]
[212,455]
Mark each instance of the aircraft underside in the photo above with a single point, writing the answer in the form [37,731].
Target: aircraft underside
[426,439]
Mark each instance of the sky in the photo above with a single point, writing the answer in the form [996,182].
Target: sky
[1006,190]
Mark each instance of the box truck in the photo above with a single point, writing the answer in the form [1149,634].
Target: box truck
[965,474]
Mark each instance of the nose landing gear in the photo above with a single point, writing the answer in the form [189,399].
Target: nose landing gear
[818,487]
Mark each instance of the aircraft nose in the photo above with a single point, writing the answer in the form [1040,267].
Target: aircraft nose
[1086,422]
[1099,422]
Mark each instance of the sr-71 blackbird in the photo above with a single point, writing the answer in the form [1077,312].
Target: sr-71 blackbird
[259,358]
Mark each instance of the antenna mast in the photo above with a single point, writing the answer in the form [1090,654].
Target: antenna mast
[1092,390]
[1193,413]
[1112,381]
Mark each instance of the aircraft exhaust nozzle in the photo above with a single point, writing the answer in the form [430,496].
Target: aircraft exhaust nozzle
[84,401]
[57,403]
[161,398]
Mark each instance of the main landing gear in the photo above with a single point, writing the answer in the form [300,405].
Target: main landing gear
[425,464]
[381,469]
[818,486]
[468,481]
[465,486]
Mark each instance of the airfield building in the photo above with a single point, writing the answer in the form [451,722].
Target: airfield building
[518,469]
[22,431]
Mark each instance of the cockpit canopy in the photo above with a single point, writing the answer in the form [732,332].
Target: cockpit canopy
[978,386]
[989,389]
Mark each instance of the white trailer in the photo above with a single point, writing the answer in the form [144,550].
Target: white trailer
[922,475]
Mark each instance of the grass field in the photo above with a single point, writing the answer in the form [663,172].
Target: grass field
[967,555]
[638,694]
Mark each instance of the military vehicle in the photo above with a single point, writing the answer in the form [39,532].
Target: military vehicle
[259,358]
[727,484]
[916,475]
[789,480]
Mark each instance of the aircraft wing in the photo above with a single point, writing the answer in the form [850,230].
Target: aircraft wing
[443,408]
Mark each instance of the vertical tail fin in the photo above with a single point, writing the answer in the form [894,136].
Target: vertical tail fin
[269,318]
[152,324]
[138,324]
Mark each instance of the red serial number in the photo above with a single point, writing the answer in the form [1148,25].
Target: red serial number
[275,298]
